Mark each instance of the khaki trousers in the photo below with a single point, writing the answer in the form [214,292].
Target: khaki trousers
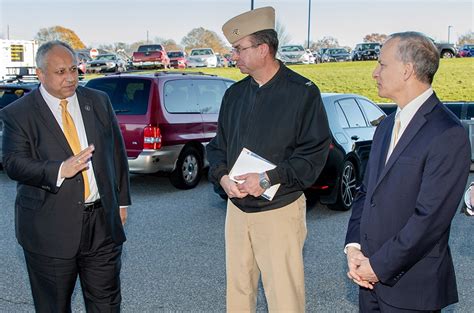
[269,243]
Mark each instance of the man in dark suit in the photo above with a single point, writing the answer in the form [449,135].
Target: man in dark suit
[397,238]
[63,146]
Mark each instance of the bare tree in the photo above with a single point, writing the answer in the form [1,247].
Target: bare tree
[375,37]
[467,38]
[325,42]
[283,37]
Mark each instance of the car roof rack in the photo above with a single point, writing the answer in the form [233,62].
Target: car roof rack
[159,73]
[20,79]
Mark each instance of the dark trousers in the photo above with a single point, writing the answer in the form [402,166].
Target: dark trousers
[97,263]
[369,302]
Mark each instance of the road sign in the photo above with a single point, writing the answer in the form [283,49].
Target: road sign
[93,52]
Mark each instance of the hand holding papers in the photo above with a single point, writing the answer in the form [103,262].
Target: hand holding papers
[249,162]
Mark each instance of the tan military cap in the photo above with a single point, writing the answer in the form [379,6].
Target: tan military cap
[248,23]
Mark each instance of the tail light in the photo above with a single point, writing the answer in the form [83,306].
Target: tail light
[151,137]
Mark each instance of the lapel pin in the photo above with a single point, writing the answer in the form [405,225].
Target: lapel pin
[87,107]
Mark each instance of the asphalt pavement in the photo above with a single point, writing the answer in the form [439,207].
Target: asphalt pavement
[173,260]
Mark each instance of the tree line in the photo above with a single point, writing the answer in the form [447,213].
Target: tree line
[200,37]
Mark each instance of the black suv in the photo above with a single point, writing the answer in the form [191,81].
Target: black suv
[10,91]
[366,51]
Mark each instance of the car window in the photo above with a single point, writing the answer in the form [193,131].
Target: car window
[341,116]
[8,95]
[470,111]
[210,93]
[456,108]
[179,96]
[352,112]
[129,96]
[372,111]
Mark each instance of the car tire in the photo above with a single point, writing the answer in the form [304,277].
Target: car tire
[346,188]
[188,169]
[447,55]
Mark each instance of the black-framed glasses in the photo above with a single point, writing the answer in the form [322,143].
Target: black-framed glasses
[239,50]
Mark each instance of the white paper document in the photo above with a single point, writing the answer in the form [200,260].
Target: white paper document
[249,162]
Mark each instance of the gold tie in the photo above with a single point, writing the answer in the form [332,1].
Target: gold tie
[396,129]
[70,131]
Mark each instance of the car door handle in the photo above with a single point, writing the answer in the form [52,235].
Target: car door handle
[355,137]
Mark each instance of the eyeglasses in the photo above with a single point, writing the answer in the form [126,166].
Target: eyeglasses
[239,50]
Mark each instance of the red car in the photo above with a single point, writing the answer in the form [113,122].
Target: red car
[177,59]
[166,120]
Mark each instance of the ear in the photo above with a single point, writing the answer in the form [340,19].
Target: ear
[409,71]
[263,49]
[40,74]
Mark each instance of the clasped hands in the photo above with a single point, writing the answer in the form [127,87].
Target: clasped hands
[249,186]
[77,163]
[360,270]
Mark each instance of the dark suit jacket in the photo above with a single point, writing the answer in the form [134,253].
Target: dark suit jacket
[403,211]
[48,219]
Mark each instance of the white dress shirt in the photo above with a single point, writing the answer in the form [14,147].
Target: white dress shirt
[406,115]
[75,112]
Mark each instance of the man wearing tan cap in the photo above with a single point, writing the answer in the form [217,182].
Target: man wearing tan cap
[279,116]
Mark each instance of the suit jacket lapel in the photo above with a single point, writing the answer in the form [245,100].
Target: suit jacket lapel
[410,132]
[48,119]
[87,111]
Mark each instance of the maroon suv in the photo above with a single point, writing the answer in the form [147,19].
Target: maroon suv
[166,120]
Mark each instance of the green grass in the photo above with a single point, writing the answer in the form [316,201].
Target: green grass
[453,82]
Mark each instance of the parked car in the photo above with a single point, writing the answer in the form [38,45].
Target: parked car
[177,59]
[166,120]
[294,54]
[106,63]
[150,56]
[466,51]
[366,51]
[464,110]
[11,91]
[446,50]
[202,57]
[352,120]
[317,57]
[336,55]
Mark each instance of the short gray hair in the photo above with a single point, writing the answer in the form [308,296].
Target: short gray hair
[418,49]
[267,36]
[45,48]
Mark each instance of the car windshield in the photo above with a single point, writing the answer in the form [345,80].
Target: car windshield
[202,52]
[150,48]
[336,51]
[292,48]
[175,54]
[8,95]
[367,46]
[106,57]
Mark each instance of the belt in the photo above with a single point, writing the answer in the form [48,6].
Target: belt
[89,207]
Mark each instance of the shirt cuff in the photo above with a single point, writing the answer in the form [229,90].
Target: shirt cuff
[352,244]
[59,180]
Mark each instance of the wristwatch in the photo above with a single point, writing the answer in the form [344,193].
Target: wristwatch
[264,182]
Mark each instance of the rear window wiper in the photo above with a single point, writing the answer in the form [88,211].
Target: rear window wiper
[121,111]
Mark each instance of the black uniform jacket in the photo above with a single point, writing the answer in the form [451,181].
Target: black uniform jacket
[283,121]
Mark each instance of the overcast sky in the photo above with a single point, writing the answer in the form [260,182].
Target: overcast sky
[109,21]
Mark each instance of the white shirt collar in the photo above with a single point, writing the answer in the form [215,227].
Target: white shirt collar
[52,101]
[412,107]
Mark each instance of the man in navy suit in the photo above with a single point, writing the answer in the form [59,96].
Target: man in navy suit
[63,146]
[397,237]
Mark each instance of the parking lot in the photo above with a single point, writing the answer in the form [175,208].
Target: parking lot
[174,257]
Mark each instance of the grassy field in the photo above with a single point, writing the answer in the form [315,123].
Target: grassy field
[453,82]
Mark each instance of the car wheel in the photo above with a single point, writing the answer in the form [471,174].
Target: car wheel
[188,169]
[347,188]
[447,54]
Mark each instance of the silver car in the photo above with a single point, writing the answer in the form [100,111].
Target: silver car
[202,57]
